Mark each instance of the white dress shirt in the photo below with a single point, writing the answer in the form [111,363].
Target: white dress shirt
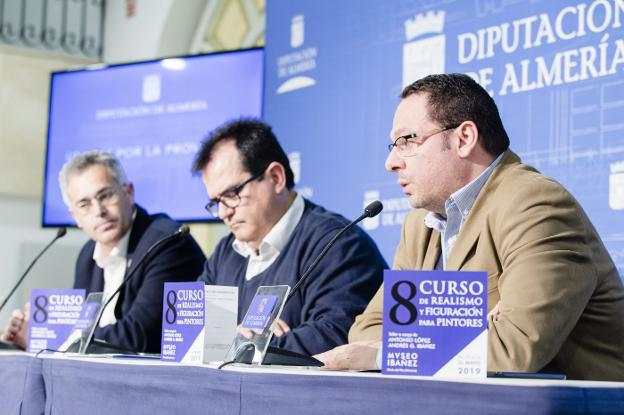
[114,266]
[274,241]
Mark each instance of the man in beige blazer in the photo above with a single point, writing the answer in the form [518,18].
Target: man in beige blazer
[555,298]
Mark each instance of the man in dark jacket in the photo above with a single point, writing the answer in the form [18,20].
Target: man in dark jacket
[101,201]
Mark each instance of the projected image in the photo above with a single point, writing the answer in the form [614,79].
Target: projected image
[152,116]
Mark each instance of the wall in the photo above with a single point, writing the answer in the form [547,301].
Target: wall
[138,30]
[23,123]
[25,79]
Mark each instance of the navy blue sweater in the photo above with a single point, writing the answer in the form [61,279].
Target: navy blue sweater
[322,311]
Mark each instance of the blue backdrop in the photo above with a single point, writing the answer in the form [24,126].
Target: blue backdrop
[334,70]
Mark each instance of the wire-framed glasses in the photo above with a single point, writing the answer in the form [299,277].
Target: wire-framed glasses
[407,145]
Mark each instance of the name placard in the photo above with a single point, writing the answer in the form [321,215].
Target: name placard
[199,321]
[434,323]
[255,333]
[183,322]
[259,312]
[85,324]
[53,314]
[220,321]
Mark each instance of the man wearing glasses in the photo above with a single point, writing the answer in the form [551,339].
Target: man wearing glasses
[101,201]
[555,298]
[275,236]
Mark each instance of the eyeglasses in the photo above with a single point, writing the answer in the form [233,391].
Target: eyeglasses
[407,144]
[230,198]
[105,198]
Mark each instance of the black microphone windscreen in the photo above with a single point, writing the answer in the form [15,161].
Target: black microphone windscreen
[373,209]
[61,232]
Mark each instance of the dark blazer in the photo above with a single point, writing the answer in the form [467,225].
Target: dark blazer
[139,307]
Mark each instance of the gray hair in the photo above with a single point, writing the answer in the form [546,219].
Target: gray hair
[82,161]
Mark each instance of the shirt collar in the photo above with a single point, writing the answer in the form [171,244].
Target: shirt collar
[278,236]
[119,251]
[463,199]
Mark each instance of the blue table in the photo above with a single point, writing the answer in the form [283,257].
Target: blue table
[112,387]
[22,389]
[55,386]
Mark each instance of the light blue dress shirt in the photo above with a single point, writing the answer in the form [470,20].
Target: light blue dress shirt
[457,207]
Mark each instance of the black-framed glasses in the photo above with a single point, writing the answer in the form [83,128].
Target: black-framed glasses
[407,144]
[230,198]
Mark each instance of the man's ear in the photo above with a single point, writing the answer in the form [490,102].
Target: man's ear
[468,135]
[129,189]
[276,173]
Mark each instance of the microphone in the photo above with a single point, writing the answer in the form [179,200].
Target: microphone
[277,356]
[59,234]
[373,209]
[99,346]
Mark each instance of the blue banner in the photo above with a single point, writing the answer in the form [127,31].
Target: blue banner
[334,71]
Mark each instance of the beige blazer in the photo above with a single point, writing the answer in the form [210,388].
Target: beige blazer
[561,300]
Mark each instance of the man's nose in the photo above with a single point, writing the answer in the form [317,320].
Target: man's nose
[225,211]
[99,208]
[394,162]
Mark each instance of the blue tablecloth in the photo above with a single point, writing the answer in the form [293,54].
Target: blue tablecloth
[22,390]
[58,386]
[109,388]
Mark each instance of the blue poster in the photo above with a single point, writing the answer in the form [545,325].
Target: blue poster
[434,323]
[183,322]
[334,72]
[53,314]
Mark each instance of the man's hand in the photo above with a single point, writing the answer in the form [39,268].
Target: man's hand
[247,333]
[360,355]
[494,312]
[280,328]
[16,331]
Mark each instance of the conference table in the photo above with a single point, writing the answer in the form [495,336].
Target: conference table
[51,384]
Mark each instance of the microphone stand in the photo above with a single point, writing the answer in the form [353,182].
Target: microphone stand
[98,346]
[59,234]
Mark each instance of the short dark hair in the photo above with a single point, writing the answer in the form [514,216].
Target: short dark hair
[455,98]
[256,143]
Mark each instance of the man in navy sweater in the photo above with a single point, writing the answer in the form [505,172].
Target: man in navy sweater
[276,234]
